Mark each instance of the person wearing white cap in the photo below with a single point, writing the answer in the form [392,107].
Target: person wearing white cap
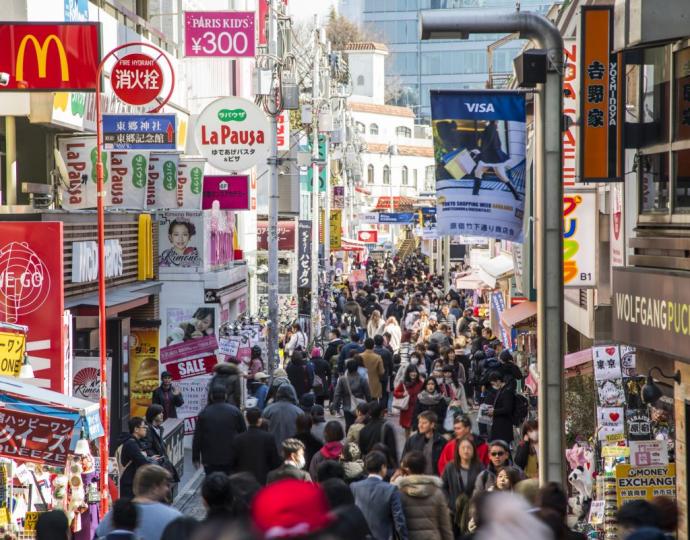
[260,389]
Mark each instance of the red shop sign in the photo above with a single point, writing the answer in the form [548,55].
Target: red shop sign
[35,437]
[137,79]
[191,367]
[31,294]
[286,235]
[368,237]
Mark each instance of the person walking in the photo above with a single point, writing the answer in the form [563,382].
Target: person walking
[297,341]
[379,501]
[350,390]
[375,370]
[299,374]
[332,448]
[131,454]
[293,463]
[427,440]
[377,430]
[322,376]
[375,325]
[216,427]
[349,350]
[431,399]
[527,451]
[499,457]
[227,378]
[426,512]
[410,386]
[254,451]
[282,414]
[153,441]
[393,328]
[167,396]
[388,367]
[502,413]
[459,479]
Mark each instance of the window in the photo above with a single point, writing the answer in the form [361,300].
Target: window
[682,98]
[404,176]
[414,178]
[429,178]
[402,131]
[655,94]
[359,126]
[373,129]
[653,171]
[360,80]
[370,174]
[386,175]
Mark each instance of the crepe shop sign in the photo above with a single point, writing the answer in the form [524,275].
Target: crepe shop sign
[35,437]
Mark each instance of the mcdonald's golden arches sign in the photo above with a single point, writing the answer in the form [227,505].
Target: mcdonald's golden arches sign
[49,56]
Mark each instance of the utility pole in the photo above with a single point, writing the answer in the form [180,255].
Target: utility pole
[446,260]
[273,312]
[315,181]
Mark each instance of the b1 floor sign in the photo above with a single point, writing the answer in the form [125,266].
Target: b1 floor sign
[232,134]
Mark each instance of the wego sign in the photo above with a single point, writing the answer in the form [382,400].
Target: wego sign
[49,56]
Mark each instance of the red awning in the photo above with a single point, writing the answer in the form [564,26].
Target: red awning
[347,244]
[400,204]
[362,190]
[517,314]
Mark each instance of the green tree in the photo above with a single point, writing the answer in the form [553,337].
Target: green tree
[341,31]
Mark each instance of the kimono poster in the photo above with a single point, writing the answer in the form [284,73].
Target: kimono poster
[479,149]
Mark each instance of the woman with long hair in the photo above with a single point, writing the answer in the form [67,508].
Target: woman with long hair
[411,385]
[527,450]
[375,325]
[393,328]
[459,478]
[431,399]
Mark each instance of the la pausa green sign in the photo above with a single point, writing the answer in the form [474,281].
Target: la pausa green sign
[232,115]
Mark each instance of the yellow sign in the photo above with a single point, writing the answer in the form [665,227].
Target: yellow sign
[30,521]
[615,451]
[143,369]
[145,248]
[41,51]
[336,229]
[615,437]
[11,353]
[644,482]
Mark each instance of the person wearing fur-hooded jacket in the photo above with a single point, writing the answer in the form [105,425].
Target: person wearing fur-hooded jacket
[227,376]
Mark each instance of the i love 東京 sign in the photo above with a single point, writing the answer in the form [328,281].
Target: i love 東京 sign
[232,134]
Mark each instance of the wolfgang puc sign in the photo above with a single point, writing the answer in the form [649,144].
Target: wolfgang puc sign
[49,56]
[652,310]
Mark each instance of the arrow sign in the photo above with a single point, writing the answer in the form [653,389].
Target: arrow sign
[139,131]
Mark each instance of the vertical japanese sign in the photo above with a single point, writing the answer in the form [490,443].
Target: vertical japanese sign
[599,93]
[336,229]
[479,144]
[338,199]
[283,133]
[617,226]
[579,239]
[304,254]
[571,91]
[31,294]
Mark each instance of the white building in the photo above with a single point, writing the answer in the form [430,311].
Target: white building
[397,156]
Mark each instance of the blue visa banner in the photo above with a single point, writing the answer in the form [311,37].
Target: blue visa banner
[398,217]
[479,149]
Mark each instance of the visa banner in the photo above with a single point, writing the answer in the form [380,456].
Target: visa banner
[479,144]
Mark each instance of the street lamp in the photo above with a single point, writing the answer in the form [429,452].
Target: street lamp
[650,391]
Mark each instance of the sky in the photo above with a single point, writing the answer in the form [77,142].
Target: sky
[303,10]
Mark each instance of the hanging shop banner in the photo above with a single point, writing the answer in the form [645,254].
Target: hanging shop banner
[398,217]
[304,254]
[571,92]
[229,34]
[368,237]
[336,233]
[499,305]
[286,235]
[34,437]
[180,241]
[579,239]
[607,362]
[139,132]
[232,134]
[231,192]
[644,483]
[283,131]
[129,178]
[428,223]
[617,218]
[79,156]
[161,189]
[32,295]
[190,179]
[371,218]
[338,199]
[143,368]
[12,347]
[43,57]
[598,96]
[479,143]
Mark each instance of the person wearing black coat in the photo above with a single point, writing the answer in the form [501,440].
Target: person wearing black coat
[511,373]
[299,374]
[387,357]
[377,430]
[254,451]
[227,378]
[153,442]
[167,396]
[427,433]
[216,427]
[132,454]
[502,414]
[323,369]
[334,344]
[459,479]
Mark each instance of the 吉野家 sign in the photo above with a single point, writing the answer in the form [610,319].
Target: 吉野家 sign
[139,132]
[231,192]
[85,260]
[232,134]
[137,79]
[42,57]
[229,34]
[579,239]
[12,346]
[633,483]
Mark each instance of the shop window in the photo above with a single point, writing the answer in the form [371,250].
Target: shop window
[653,171]
[386,175]
[404,176]
[681,122]
[656,95]
[373,129]
[370,174]
[682,185]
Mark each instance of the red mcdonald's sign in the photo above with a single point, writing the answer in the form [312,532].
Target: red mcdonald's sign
[49,56]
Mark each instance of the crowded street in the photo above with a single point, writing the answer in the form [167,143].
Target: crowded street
[344,269]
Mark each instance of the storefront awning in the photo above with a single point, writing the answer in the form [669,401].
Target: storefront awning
[118,298]
[346,244]
[578,363]
[400,204]
[491,270]
[518,314]
[471,281]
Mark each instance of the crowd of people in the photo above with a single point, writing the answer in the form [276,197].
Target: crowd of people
[402,351]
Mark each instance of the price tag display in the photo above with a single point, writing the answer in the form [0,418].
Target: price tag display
[11,353]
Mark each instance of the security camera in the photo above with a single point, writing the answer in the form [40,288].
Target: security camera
[4,78]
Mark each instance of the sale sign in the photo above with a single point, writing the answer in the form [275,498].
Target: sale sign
[42,57]
[192,367]
[35,437]
[229,34]
[32,295]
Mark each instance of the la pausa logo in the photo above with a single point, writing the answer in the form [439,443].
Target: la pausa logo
[227,135]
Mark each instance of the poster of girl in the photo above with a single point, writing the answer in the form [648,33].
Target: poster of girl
[201,324]
[180,254]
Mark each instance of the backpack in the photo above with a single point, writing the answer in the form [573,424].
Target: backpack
[120,468]
[520,410]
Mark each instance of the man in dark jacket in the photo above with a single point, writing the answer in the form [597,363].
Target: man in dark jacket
[502,413]
[300,374]
[227,378]
[216,427]
[132,454]
[377,430]
[167,396]
[282,414]
[334,344]
[427,440]
[388,366]
[255,450]
[348,350]
[293,465]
